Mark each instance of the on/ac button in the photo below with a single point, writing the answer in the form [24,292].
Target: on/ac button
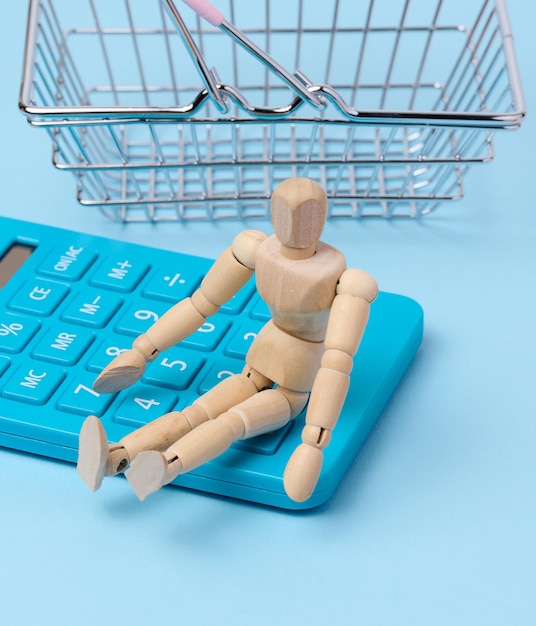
[69,262]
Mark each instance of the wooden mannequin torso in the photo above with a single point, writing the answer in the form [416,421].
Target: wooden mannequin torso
[299,295]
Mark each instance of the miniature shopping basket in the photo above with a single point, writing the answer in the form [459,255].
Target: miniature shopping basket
[163,115]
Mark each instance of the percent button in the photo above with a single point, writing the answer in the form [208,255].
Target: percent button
[16,331]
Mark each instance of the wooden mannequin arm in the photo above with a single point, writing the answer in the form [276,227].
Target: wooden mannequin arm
[231,270]
[347,322]
[229,273]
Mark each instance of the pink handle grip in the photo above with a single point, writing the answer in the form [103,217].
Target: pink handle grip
[206,11]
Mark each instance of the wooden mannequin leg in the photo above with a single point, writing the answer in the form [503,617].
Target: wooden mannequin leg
[97,459]
[266,411]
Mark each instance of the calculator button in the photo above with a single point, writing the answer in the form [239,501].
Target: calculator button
[174,284]
[39,297]
[221,369]
[107,350]
[144,404]
[81,399]
[121,274]
[34,383]
[16,331]
[64,344]
[210,334]
[4,364]
[69,262]
[92,307]
[266,444]
[237,303]
[140,317]
[242,339]
[176,369]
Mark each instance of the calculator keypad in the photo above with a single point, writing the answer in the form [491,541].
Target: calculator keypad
[82,308]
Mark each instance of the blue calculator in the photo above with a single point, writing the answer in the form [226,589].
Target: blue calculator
[70,302]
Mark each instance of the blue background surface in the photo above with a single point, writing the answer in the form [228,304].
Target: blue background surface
[435,523]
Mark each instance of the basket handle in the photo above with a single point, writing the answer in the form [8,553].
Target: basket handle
[207,11]
[215,17]
[207,75]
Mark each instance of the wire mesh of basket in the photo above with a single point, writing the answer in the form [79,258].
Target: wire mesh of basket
[412,92]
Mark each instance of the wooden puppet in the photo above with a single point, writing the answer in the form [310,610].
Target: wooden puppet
[304,354]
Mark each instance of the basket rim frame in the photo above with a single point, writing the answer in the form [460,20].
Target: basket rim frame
[89,115]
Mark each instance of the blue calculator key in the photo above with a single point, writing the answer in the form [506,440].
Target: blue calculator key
[107,350]
[144,404]
[220,370]
[174,369]
[33,383]
[140,317]
[79,397]
[39,297]
[69,262]
[64,344]
[260,310]
[266,444]
[208,336]
[120,273]
[241,341]
[92,307]
[237,303]
[16,331]
[174,283]
[4,364]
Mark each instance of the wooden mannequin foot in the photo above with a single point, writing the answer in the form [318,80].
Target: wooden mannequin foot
[148,473]
[96,459]
[93,452]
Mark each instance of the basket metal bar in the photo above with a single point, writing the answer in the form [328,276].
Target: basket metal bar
[331,42]
[169,56]
[82,150]
[268,40]
[462,89]
[359,66]
[47,87]
[290,161]
[510,56]
[104,50]
[394,51]
[137,53]
[420,70]
[299,31]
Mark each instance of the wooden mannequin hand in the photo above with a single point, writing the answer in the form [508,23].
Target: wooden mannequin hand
[127,368]
[304,466]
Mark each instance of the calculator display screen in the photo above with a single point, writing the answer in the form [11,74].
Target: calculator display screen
[12,260]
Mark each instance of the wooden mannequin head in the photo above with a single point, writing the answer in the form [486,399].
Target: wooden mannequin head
[298,209]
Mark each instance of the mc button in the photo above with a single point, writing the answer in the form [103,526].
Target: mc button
[33,384]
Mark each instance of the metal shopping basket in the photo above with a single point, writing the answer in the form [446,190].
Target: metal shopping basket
[411,93]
